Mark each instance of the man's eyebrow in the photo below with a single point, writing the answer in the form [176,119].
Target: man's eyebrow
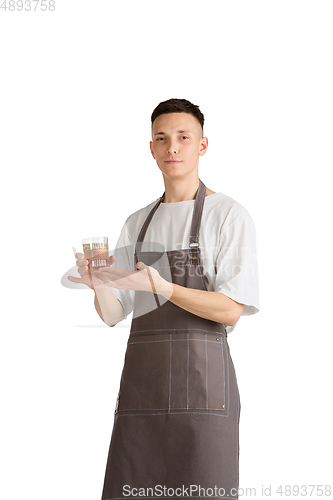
[178,132]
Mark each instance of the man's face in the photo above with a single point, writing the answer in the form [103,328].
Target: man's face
[177,144]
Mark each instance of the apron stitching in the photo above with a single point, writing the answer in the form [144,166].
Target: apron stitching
[223,372]
[188,367]
[177,329]
[167,412]
[228,382]
[237,450]
[177,408]
[206,371]
[170,340]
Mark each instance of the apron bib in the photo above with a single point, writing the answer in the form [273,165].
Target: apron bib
[176,421]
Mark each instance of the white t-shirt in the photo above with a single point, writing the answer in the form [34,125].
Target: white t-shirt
[227,241]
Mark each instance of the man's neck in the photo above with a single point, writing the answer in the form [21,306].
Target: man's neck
[176,191]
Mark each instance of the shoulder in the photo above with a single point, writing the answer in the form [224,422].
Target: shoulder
[136,219]
[227,209]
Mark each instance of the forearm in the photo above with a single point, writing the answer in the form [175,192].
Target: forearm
[108,306]
[209,305]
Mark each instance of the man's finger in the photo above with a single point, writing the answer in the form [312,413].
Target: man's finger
[116,271]
[76,280]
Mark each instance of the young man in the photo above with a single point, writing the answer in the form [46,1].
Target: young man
[177,415]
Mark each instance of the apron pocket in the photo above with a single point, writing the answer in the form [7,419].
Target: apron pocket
[217,374]
[145,378]
[199,377]
[207,374]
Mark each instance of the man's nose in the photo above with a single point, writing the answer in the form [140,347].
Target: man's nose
[172,148]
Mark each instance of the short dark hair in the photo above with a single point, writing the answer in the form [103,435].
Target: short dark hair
[178,106]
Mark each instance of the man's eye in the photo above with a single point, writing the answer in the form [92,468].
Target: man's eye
[162,138]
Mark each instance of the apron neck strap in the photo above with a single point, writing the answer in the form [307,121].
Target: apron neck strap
[195,225]
[197,213]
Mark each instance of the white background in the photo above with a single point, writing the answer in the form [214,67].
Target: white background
[78,86]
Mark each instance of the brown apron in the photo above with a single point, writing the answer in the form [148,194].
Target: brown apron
[177,416]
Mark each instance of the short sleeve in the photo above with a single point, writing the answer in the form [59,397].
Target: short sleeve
[124,260]
[236,261]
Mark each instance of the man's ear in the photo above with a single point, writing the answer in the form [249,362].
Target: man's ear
[203,146]
[151,149]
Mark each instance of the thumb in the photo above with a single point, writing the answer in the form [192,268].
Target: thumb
[75,280]
[111,259]
[140,266]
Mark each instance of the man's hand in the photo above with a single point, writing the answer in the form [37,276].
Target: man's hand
[145,279]
[88,276]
